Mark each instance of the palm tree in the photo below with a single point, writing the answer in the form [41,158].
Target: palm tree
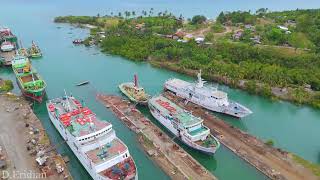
[119,14]
[133,13]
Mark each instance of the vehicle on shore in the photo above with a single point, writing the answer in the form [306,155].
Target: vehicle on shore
[134,92]
[29,81]
[188,128]
[35,51]
[93,141]
[208,97]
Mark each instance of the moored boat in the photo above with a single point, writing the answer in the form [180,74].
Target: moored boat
[188,128]
[7,35]
[29,81]
[35,51]
[92,140]
[208,97]
[77,41]
[134,92]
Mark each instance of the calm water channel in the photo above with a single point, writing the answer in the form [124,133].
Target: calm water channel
[294,128]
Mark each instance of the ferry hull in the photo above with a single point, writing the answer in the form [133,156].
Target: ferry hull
[68,138]
[224,110]
[167,125]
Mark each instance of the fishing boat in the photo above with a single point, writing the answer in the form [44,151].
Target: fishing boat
[92,140]
[208,97]
[35,51]
[188,128]
[77,41]
[134,92]
[29,81]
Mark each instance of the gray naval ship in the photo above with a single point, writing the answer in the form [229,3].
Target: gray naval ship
[208,97]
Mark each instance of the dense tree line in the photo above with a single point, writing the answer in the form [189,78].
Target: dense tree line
[261,67]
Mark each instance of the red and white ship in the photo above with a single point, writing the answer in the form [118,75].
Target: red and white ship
[92,140]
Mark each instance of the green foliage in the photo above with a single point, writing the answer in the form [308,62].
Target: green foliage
[300,40]
[6,85]
[276,36]
[237,17]
[76,19]
[269,142]
[198,19]
[261,67]
[307,22]
[218,27]
[251,86]
[315,168]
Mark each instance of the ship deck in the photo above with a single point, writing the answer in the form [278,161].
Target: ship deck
[78,120]
[28,78]
[106,152]
[185,118]
[178,83]
[124,170]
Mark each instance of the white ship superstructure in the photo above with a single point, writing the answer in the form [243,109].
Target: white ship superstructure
[188,128]
[92,140]
[208,97]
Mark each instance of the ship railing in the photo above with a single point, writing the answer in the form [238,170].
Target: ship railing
[109,162]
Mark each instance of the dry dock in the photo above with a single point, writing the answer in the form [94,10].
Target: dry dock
[177,163]
[23,141]
[273,162]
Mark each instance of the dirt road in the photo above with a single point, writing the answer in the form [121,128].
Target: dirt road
[14,135]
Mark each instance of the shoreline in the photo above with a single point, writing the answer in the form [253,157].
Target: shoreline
[271,161]
[237,84]
[28,147]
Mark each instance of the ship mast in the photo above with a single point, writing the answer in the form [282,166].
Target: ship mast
[200,80]
[68,103]
[135,80]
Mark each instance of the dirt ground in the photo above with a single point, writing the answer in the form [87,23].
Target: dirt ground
[14,135]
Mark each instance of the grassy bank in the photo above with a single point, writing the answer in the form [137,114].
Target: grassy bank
[315,168]
[269,71]
[5,85]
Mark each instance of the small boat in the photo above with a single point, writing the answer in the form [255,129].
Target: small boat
[83,83]
[35,51]
[7,46]
[134,92]
[77,41]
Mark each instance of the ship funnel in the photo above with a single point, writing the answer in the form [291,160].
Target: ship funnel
[135,80]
